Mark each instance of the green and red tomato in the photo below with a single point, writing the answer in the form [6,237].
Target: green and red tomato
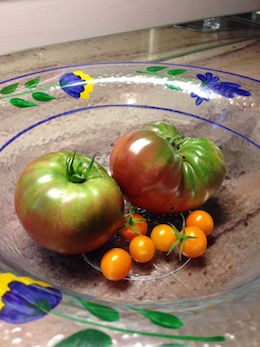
[68,203]
[160,170]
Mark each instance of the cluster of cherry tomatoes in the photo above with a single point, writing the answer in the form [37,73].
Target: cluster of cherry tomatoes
[191,241]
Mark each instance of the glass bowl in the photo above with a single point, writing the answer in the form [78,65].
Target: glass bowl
[49,299]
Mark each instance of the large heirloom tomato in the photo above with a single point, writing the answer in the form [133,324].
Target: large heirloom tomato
[68,203]
[160,170]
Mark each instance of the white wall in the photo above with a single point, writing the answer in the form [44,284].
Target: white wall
[32,23]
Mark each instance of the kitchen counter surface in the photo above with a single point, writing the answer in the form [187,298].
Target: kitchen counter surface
[234,47]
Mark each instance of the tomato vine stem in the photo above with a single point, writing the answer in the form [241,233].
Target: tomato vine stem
[176,140]
[82,172]
[181,238]
[130,221]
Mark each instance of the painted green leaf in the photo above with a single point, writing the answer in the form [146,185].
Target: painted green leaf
[87,338]
[162,319]
[9,89]
[39,96]
[21,103]
[172,86]
[156,68]
[103,312]
[176,72]
[32,83]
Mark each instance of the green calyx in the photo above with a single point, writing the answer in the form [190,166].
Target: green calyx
[181,238]
[131,222]
[176,141]
[83,170]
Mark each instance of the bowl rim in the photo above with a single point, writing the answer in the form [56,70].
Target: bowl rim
[115,63]
[214,298]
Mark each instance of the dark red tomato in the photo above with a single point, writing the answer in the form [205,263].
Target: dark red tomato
[158,169]
[68,203]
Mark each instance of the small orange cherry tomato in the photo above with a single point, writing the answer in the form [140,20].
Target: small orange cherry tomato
[133,225]
[142,249]
[163,236]
[194,243]
[116,264]
[202,220]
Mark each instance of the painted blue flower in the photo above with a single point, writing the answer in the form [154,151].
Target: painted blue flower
[210,84]
[24,303]
[77,84]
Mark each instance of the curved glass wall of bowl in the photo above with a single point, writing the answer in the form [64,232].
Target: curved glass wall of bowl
[87,108]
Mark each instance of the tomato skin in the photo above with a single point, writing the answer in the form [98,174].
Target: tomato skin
[116,264]
[202,220]
[159,170]
[142,249]
[196,246]
[128,232]
[67,217]
[163,237]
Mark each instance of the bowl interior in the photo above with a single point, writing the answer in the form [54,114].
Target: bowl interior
[124,96]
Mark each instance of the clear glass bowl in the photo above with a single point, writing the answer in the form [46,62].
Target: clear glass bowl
[206,300]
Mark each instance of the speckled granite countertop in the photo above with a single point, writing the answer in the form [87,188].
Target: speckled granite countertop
[235,48]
